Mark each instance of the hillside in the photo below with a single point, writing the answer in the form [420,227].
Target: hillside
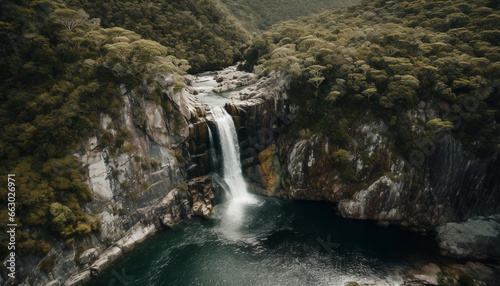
[390,110]
[260,15]
[389,58]
[202,32]
[60,71]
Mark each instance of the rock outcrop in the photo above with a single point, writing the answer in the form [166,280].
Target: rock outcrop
[148,170]
[139,169]
[476,238]
[369,180]
[231,78]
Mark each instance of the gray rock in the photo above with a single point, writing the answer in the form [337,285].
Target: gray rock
[81,278]
[477,238]
[88,255]
[425,276]
[230,78]
[105,259]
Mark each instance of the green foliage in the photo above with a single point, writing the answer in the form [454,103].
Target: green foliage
[79,250]
[179,157]
[180,121]
[384,59]
[438,123]
[202,32]
[179,86]
[155,164]
[56,82]
[260,14]
[341,156]
[183,187]
[47,265]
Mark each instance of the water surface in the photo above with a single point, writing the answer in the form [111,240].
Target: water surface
[204,85]
[268,241]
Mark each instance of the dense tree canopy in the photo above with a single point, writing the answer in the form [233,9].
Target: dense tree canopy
[59,69]
[61,66]
[386,58]
[261,14]
[202,32]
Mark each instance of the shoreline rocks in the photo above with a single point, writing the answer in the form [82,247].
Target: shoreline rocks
[231,78]
[477,238]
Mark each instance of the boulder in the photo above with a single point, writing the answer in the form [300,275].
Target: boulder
[106,258]
[477,238]
[81,278]
[231,78]
[88,255]
[427,275]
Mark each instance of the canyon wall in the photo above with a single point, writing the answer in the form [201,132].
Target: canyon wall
[146,173]
[159,175]
[442,189]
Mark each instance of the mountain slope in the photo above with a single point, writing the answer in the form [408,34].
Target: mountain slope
[259,15]
[389,58]
[203,32]
[58,76]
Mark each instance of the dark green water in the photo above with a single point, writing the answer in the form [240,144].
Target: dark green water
[270,242]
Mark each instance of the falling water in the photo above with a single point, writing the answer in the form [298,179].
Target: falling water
[231,165]
[213,154]
[266,241]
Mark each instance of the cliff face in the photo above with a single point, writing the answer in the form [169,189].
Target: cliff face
[157,176]
[372,180]
[146,173]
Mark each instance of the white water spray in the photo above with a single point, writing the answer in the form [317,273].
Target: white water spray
[231,165]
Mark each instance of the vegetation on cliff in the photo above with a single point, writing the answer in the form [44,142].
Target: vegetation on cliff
[59,69]
[394,60]
[61,66]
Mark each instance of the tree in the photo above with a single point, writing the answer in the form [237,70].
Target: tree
[315,76]
[93,23]
[70,18]
[439,124]
[341,156]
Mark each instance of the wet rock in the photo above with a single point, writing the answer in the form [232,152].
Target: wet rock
[105,260]
[88,256]
[269,169]
[137,234]
[428,275]
[79,279]
[202,195]
[231,78]
[477,238]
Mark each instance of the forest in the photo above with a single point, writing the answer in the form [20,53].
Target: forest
[386,58]
[260,15]
[202,32]
[61,65]
[59,70]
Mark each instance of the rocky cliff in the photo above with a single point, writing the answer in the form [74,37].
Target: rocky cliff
[147,170]
[157,175]
[371,179]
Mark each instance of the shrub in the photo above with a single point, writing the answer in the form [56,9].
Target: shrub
[47,265]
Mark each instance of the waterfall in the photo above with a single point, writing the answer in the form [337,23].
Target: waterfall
[231,165]
[214,162]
